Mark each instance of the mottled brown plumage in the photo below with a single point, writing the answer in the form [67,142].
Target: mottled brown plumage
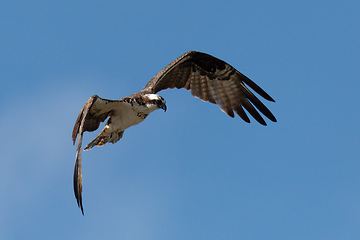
[213,80]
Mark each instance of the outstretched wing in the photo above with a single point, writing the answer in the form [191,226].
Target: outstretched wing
[95,110]
[213,80]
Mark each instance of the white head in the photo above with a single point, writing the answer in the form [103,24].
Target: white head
[156,100]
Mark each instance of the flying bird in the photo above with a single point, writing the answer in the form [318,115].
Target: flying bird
[207,77]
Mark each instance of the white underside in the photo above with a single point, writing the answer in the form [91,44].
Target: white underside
[129,116]
[122,117]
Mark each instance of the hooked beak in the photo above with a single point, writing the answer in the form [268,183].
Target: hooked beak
[163,107]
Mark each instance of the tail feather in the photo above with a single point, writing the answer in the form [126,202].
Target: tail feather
[106,135]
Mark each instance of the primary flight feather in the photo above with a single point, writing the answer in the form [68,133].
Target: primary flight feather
[207,77]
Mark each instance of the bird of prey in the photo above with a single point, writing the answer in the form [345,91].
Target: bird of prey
[207,77]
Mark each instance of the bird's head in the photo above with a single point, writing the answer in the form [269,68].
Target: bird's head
[157,100]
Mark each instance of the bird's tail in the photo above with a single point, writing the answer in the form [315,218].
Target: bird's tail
[106,135]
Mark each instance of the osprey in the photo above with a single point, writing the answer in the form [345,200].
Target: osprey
[208,78]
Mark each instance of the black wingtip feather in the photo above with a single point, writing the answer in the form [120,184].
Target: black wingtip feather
[256,88]
[250,108]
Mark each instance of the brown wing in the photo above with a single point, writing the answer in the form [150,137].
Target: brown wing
[213,80]
[95,110]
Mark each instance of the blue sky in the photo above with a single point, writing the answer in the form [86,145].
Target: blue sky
[192,172]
